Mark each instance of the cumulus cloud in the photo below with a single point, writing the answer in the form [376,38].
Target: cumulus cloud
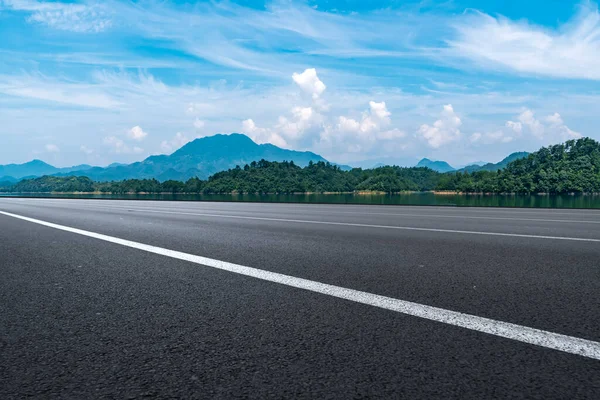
[517,127]
[363,135]
[168,146]
[52,148]
[551,127]
[556,123]
[528,119]
[301,124]
[136,133]
[312,126]
[309,82]
[570,51]
[373,120]
[300,121]
[118,146]
[262,135]
[444,130]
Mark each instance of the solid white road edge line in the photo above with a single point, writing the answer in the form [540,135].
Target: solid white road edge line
[568,344]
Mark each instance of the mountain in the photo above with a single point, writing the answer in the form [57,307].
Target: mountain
[384,161]
[495,167]
[34,168]
[478,163]
[206,156]
[200,158]
[75,168]
[439,166]
[8,179]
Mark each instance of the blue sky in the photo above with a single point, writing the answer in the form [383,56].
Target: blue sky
[393,81]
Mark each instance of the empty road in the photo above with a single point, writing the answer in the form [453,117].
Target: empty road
[127,299]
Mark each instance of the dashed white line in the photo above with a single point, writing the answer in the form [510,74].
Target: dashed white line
[550,340]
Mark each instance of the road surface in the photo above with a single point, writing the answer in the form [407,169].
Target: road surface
[126,299]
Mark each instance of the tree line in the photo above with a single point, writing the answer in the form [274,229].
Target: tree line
[571,167]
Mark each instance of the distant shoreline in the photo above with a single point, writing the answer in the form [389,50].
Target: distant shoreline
[357,193]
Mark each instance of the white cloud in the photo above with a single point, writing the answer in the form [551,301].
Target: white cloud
[377,117]
[41,88]
[117,143]
[309,82]
[79,18]
[570,51]
[262,135]
[168,146]
[52,148]
[379,110]
[302,119]
[86,150]
[490,137]
[528,119]
[199,124]
[556,123]
[444,130]
[348,125]
[364,135]
[137,133]
[118,146]
[553,130]
[554,119]
[515,126]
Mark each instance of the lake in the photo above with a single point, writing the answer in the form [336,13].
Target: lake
[424,198]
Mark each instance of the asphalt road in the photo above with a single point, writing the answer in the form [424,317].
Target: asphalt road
[83,317]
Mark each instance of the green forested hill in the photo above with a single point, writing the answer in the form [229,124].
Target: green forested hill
[573,166]
[52,184]
[570,167]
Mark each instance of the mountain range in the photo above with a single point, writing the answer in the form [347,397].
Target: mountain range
[34,168]
[443,166]
[202,158]
[439,166]
[495,167]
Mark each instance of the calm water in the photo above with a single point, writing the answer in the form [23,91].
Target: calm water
[426,198]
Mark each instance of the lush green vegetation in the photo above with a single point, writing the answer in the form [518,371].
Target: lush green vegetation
[570,167]
[52,184]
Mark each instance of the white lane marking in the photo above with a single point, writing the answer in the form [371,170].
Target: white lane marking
[373,213]
[551,340]
[405,228]
[359,207]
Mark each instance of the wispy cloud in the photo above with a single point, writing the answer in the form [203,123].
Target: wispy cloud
[348,85]
[40,87]
[570,51]
[81,18]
